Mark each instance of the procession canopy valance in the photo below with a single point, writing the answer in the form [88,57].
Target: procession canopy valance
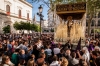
[71,8]
[75,9]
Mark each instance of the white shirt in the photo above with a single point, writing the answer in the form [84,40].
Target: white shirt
[86,56]
[54,63]
[39,45]
[56,50]
[74,61]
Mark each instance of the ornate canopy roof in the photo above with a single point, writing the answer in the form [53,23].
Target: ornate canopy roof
[76,10]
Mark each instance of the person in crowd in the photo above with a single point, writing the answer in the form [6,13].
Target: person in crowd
[82,62]
[7,52]
[39,44]
[6,61]
[1,48]
[91,45]
[87,43]
[31,62]
[41,60]
[85,56]
[96,48]
[22,55]
[14,57]
[21,62]
[32,56]
[69,45]
[96,60]
[61,54]
[64,61]
[56,50]
[48,50]
[9,46]
[12,43]
[16,45]
[1,54]
[35,52]
[42,50]
[67,55]
[74,61]
[23,46]
[54,61]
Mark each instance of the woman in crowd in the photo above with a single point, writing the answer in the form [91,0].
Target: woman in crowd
[6,61]
[64,61]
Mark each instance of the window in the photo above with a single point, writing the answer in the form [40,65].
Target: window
[92,24]
[19,13]
[86,23]
[99,15]
[27,16]
[8,9]
[92,31]
[98,22]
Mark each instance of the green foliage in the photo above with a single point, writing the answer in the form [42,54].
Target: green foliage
[97,30]
[6,29]
[25,26]
[34,27]
[16,25]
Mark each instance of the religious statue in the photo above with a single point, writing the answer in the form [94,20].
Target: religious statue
[72,30]
[69,24]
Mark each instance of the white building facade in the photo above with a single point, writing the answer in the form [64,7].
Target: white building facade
[14,10]
[53,20]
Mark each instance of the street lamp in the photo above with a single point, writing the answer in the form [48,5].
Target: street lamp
[41,16]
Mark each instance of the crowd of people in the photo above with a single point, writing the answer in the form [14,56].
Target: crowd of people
[28,50]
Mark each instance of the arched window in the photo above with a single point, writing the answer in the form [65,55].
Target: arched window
[27,16]
[98,22]
[92,24]
[19,12]
[86,23]
[92,30]
[99,15]
[8,9]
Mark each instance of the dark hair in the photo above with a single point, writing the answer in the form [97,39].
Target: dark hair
[41,55]
[73,54]
[94,53]
[54,58]
[21,61]
[17,50]
[81,62]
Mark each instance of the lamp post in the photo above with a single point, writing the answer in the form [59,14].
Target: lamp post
[41,17]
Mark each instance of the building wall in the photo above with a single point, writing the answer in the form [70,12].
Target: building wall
[95,24]
[53,22]
[15,5]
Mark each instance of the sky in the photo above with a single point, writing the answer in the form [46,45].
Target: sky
[35,10]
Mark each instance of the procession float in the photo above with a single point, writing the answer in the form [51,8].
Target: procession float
[72,24]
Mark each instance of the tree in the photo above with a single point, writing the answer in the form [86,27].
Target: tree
[34,27]
[26,26]
[6,29]
[17,26]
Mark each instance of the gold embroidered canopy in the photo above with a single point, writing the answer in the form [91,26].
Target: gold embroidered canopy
[65,10]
